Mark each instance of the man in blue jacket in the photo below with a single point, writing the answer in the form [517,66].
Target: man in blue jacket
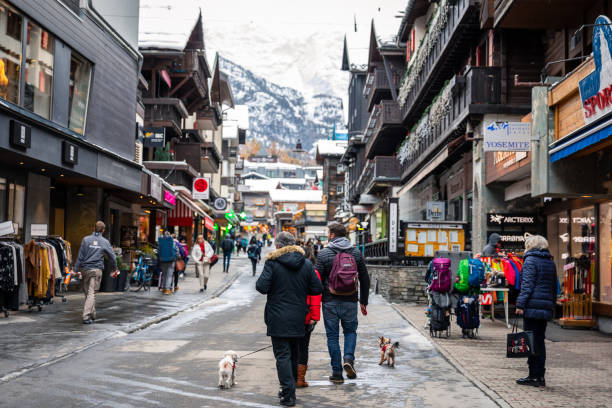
[90,264]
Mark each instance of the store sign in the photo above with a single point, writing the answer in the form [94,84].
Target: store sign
[39,230]
[504,220]
[220,203]
[360,209]
[511,239]
[7,228]
[169,197]
[596,88]
[393,226]
[209,223]
[507,137]
[70,153]
[156,188]
[201,188]
[154,137]
[20,135]
[436,210]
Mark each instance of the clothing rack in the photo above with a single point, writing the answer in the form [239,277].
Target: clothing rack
[7,238]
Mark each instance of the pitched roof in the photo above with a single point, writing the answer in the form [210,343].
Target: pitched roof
[169,25]
[296,196]
[331,147]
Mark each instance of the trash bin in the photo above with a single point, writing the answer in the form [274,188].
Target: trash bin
[108,283]
[120,281]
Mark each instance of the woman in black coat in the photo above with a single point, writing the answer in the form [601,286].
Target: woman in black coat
[287,279]
[536,302]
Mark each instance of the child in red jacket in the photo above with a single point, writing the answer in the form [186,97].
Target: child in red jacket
[313,316]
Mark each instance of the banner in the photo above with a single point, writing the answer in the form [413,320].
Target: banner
[507,137]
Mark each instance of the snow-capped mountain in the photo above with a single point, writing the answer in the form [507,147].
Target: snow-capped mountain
[282,114]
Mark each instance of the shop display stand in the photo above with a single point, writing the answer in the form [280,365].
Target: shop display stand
[9,237]
[577,297]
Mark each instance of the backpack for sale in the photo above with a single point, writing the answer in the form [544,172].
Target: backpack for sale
[439,318]
[467,312]
[463,276]
[344,274]
[441,278]
[165,249]
[477,272]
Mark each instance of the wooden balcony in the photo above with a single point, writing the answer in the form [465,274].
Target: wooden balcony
[476,93]
[379,174]
[165,112]
[377,87]
[204,157]
[450,49]
[385,130]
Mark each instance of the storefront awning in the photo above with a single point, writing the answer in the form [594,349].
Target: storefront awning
[579,140]
[182,214]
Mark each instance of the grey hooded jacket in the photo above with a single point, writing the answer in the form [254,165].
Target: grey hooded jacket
[325,261]
[91,253]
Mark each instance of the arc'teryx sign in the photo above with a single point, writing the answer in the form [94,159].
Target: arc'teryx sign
[510,219]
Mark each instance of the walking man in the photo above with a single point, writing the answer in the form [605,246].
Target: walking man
[227,246]
[90,264]
[343,272]
[288,278]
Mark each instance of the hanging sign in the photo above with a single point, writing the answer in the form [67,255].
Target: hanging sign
[220,203]
[201,188]
[154,137]
[7,228]
[507,137]
[70,153]
[393,226]
[169,197]
[209,223]
[39,230]
[435,210]
[596,88]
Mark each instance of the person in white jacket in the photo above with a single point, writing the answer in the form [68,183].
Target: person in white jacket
[201,254]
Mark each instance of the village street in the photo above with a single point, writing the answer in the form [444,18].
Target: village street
[174,363]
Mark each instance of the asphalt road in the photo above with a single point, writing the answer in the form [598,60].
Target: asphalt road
[174,364]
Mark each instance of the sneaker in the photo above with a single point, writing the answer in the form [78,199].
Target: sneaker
[337,378]
[532,381]
[287,402]
[350,370]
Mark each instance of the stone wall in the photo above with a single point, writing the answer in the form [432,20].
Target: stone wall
[399,283]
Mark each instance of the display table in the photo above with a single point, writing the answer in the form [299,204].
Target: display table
[506,292]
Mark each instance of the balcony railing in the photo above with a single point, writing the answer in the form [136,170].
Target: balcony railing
[384,131]
[165,112]
[478,92]
[380,173]
[204,157]
[377,249]
[377,87]
[426,75]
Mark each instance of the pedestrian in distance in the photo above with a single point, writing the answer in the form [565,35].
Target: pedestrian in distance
[180,263]
[244,243]
[313,316]
[227,246]
[318,246]
[309,251]
[90,264]
[287,279]
[343,272]
[536,302]
[493,245]
[167,254]
[254,253]
[201,254]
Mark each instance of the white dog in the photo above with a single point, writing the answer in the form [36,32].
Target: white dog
[227,369]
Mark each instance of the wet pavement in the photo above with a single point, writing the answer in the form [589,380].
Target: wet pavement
[174,363]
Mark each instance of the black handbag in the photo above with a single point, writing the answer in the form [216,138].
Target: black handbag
[519,344]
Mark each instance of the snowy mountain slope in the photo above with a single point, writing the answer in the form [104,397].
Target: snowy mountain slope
[282,114]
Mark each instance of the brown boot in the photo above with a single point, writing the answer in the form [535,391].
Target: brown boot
[301,378]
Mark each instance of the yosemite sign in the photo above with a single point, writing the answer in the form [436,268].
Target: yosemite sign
[596,88]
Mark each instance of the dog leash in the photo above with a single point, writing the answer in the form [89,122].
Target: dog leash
[256,351]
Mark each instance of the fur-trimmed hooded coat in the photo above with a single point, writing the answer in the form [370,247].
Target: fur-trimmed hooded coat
[287,278]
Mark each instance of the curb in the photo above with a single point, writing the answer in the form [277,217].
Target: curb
[499,401]
[119,333]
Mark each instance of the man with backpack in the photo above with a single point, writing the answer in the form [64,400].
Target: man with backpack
[343,272]
[227,246]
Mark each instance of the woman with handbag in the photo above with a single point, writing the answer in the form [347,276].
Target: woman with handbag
[201,254]
[536,302]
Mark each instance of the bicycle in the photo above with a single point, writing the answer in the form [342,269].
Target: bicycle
[141,275]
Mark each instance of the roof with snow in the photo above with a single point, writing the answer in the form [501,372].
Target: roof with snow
[169,25]
[355,53]
[296,196]
[240,114]
[331,147]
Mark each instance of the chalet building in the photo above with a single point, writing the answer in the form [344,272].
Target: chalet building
[328,155]
[68,109]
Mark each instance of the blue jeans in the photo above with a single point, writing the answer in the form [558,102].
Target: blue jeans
[226,260]
[334,314]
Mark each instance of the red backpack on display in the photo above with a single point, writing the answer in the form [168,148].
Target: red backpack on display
[343,276]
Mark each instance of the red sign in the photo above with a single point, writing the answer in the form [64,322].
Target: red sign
[209,223]
[201,188]
[486,299]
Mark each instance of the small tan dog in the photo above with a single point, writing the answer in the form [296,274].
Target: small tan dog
[227,369]
[387,351]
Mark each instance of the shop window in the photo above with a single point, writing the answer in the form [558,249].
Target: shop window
[12,202]
[340,188]
[582,243]
[558,240]
[10,53]
[39,71]
[80,79]
[605,251]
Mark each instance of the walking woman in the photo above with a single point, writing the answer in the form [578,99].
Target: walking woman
[254,253]
[313,316]
[201,254]
[536,302]
[310,251]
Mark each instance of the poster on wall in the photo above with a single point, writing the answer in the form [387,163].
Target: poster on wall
[424,239]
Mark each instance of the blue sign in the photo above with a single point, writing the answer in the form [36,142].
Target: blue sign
[596,88]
